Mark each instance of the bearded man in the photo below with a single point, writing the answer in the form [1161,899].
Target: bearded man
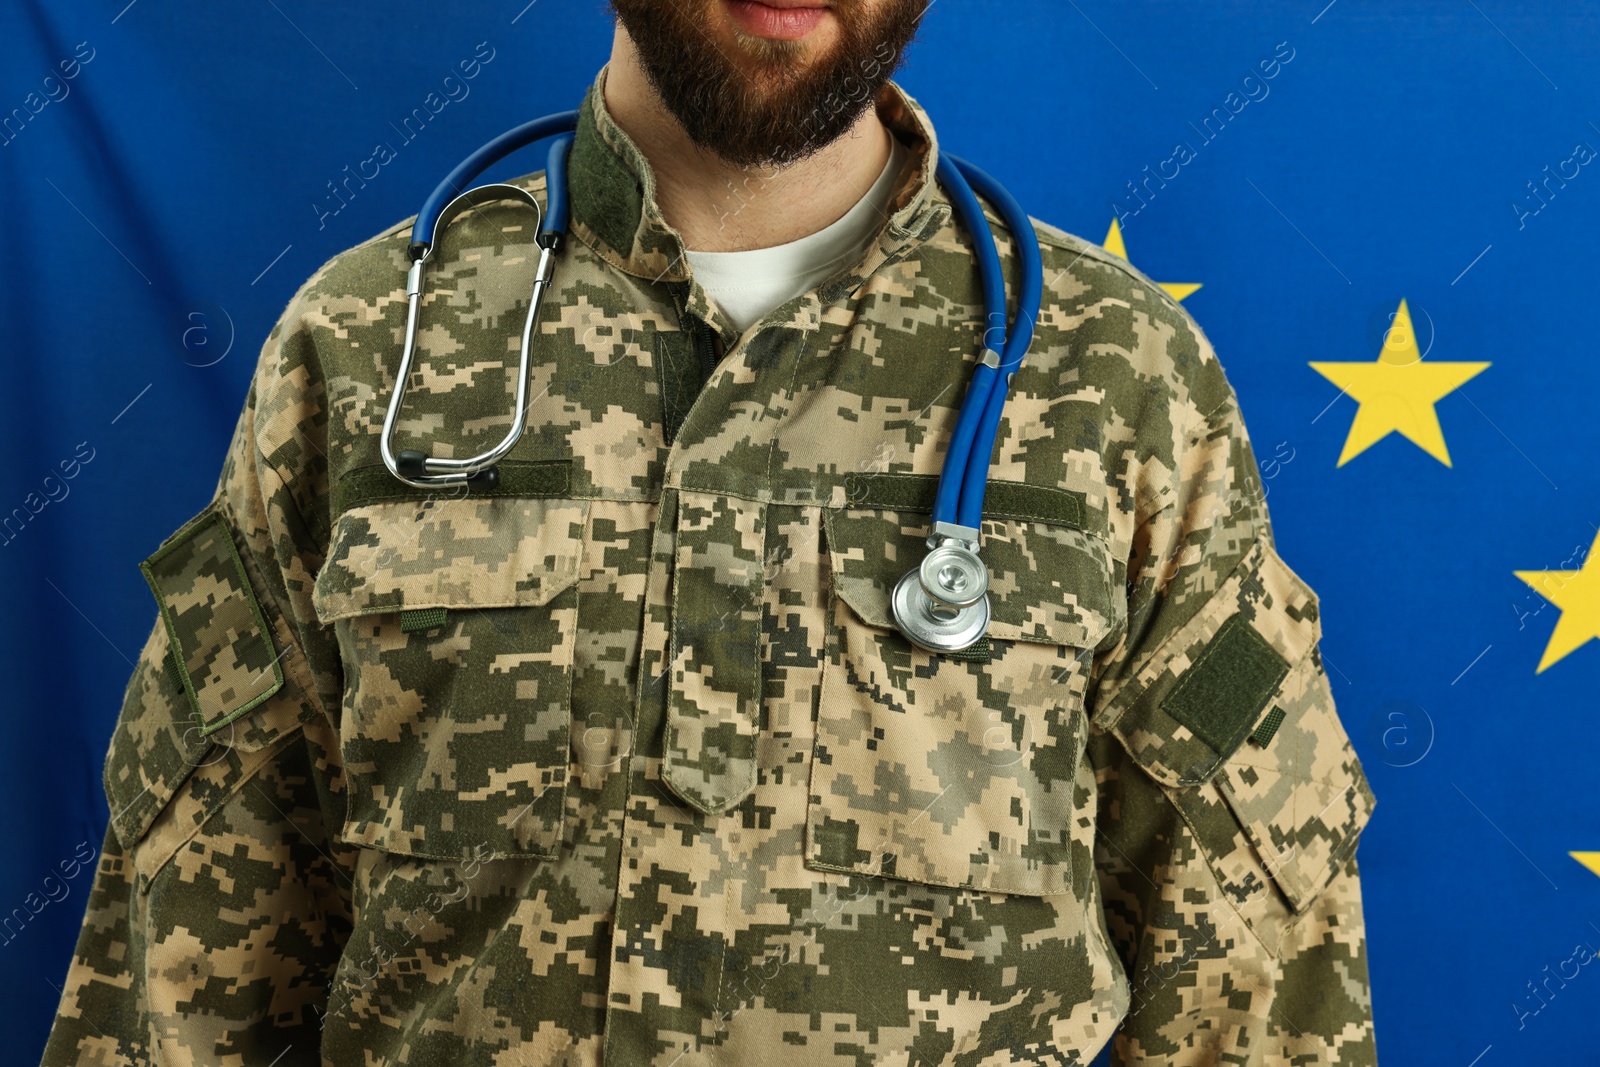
[621,760]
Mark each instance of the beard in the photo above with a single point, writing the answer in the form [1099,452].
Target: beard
[761,102]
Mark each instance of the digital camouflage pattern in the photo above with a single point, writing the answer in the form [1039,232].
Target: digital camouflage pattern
[219,648]
[622,763]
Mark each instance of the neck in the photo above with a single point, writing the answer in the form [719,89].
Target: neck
[718,207]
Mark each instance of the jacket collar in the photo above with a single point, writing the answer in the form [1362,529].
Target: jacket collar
[614,208]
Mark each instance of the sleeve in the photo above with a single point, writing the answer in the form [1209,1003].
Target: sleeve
[220,904]
[1230,800]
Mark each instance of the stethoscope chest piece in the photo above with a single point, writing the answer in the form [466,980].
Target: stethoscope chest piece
[943,605]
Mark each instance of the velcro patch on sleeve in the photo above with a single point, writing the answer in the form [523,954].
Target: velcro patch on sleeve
[221,648]
[1262,734]
[1219,697]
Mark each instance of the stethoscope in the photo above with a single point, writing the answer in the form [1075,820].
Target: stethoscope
[941,605]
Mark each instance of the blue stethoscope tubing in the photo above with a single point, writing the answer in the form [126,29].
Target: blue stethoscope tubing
[554,228]
[943,605]
[965,476]
[419,469]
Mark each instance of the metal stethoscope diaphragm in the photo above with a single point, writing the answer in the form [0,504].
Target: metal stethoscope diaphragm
[943,604]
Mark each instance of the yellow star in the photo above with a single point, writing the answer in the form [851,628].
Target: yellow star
[1113,244]
[1590,860]
[1397,392]
[1577,594]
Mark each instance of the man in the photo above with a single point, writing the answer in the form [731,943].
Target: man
[622,761]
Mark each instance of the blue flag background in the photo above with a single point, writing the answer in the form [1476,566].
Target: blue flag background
[166,168]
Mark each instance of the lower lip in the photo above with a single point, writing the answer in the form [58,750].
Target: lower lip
[782,24]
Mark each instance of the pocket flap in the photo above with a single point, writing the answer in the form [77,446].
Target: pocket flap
[1048,583]
[480,552]
[220,645]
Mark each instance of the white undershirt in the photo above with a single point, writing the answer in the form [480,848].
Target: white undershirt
[747,285]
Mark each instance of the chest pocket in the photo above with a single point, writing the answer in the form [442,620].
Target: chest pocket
[456,622]
[957,770]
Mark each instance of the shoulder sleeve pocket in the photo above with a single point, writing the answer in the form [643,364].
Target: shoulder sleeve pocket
[1233,715]
[209,662]
[1296,787]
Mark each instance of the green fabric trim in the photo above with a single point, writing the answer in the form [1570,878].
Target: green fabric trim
[1268,726]
[674,356]
[415,619]
[684,362]
[1003,500]
[977,653]
[210,515]
[1223,691]
[836,845]
[169,663]
[606,196]
[375,485]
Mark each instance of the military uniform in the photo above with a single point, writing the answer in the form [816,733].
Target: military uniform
[623,762]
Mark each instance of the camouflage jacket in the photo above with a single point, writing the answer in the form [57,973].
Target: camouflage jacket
[623,761]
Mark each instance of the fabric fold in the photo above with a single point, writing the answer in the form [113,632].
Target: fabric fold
[714,697]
